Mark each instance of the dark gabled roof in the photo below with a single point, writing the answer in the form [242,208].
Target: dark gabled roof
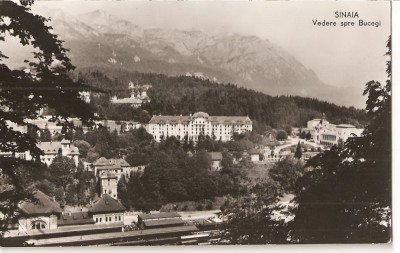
[79,218]
[65,141]
[106,204]
[145,216]
[102,161]
[215,156]
[254,152]
[49,147]
[165,222]
[52,147]
[42,205]
[122,162]
[109,167]
[111,162]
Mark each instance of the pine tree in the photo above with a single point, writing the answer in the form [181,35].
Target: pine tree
[298,153]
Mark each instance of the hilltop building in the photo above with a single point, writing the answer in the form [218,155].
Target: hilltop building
[217,127]
[117,166]
[50,149]
[138,95]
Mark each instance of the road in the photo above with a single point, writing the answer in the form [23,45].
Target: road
[293,141]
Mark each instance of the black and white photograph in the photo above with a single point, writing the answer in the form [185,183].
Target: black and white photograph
[154,123]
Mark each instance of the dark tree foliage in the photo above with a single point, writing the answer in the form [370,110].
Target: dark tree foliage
[286,173]
[61,170]
[45,135]
[174,175]
[288,130]
[347,197]
[281,135]
[298,153]
[251,219]
[308,136]
[24,93]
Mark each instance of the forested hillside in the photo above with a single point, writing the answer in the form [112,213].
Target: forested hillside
[185,95]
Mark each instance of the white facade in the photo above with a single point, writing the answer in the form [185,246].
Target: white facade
[137,98]
[329,134]
[38,223]
[109,182]
[51,151]
[217,127]
[108,218]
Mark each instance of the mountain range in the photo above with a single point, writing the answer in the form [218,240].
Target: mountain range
[100,39]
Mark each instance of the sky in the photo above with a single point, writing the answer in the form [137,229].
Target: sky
[340,56]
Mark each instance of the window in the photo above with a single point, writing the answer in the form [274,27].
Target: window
[119,218]
[97,219]
[38,225]
[100,219]
[116,218]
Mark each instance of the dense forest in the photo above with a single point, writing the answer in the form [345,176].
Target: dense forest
[185,95]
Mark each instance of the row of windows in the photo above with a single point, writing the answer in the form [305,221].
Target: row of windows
[329,137]
[109,219]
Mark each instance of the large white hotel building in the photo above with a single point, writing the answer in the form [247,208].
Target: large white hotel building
[217,127]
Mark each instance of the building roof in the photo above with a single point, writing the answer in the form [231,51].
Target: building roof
[111,162]
[154,216]
[130,100]
[345,126]
[254,152]
[65,141]
[49,147]
[73,150]
[52,147]
[102,161]
[106,204]
[164,222]
[329,133]
[161,119]
[78,218]
[201,115]
[43,205]
[109,167]
[121,162]
[269,140]
[215,156]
